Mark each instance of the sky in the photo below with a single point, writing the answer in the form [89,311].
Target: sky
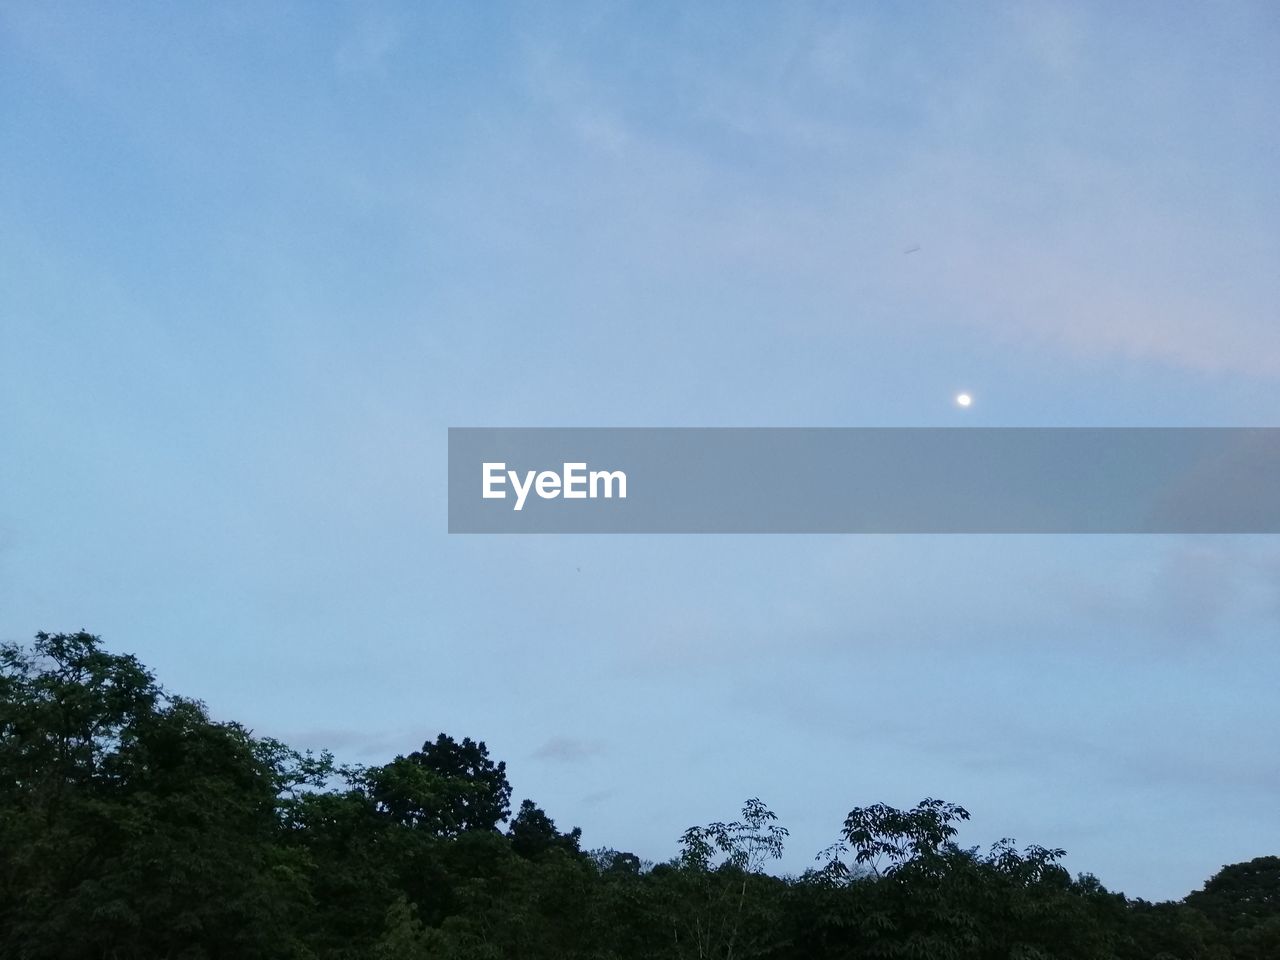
[255,259]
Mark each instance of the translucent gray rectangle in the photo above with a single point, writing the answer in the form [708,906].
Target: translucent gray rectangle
[866,480]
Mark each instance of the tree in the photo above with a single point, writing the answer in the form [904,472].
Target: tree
[720,887]
[132,824]
[533,833]
[886,839]
[1243,902]
[485,801]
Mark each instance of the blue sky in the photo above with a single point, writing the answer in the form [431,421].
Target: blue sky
[255,259]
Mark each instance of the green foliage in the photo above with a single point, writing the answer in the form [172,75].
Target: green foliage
[533,834]
[133,826]
[725,905]
[885,839]
[478,796]
[1243,900]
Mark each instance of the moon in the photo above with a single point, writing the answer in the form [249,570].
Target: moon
[963,400]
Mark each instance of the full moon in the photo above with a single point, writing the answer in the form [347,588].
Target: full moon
[963,400]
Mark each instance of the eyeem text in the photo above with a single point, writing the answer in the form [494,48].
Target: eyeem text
[574,482]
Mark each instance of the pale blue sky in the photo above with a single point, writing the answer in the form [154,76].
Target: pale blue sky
[256,258]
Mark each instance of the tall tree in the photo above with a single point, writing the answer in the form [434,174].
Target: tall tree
[486,801]
[132,824]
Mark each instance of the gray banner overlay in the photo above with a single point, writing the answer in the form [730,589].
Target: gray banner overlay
[865,480]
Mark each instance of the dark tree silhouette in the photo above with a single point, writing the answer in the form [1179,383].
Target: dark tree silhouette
[135,827]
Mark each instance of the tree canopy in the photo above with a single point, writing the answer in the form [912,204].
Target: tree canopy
[135,826]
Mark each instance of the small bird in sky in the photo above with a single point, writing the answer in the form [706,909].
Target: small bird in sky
[912,249]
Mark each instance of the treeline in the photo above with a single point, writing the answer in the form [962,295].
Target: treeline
[132,827]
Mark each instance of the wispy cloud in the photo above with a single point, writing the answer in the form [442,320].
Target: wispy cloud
[1055,178]
[1199,593]
[569,750]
